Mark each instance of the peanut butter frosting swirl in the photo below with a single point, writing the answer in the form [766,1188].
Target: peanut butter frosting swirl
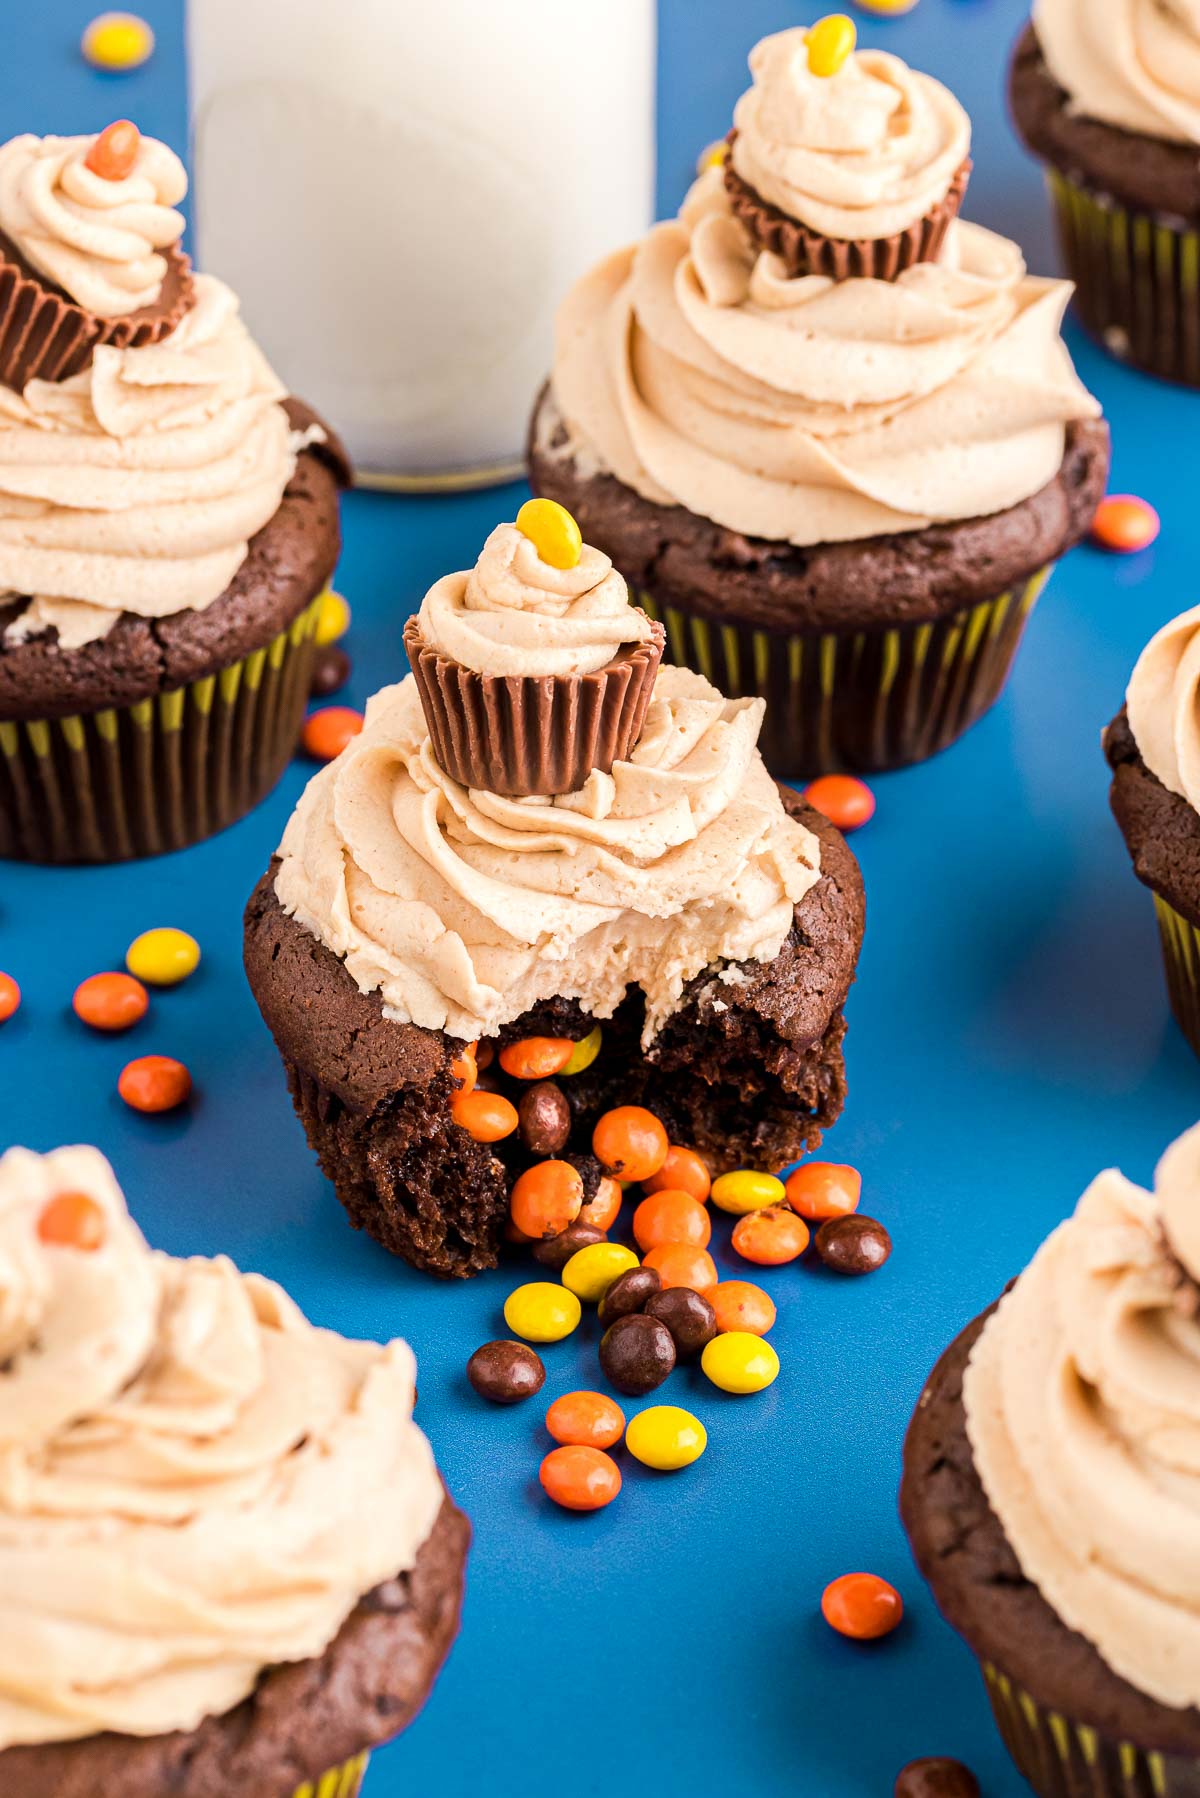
[1130,63]
[1083,1410]
[195,1483]
[864,153]
[95,238]
[462,909]
[513,614]
[136,485]
[806,410]
[1163,704]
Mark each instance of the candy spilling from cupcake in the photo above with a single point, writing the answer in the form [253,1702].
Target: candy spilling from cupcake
[828,431]
[168,517]
[546,860]
[227,1557]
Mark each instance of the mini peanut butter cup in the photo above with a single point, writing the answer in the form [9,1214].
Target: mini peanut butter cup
[46,335]
[804,251]
[525,735]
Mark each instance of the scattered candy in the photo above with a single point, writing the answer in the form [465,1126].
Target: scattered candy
[584,1052]
[154,1083]
[542,1312]
[333,618]
[506,1372]
[740,1362]
[536,1057]
[10,998]
[163,957]
[487,1117]
[671,1217]
[682,1171]
[829,43]
[117,42]
[770,1238]
[580,1478]
[330,672]
[602,1211]
[630,1142]
[72,1220]
[862,1606]
[688,1315]
[637,1353]
[115,151]
[110,1001]
[327,732]
[546,1198]
[465,1070]
[740,1305]
[555,1251]
[886,8]
[745,1191]
[680,1264]
[544,1118]
[586,1420]
[936,1777]
[552,531]
[853,1245]
[628,1294]
[823,1189]
[1124,523]
[591,1271]
[666,1437]
[844,800]
[713,156]
[485,1054]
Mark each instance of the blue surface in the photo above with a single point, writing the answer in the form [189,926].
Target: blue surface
[1009,1036]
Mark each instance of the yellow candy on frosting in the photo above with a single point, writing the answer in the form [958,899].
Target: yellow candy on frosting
[830,43]
[552,531]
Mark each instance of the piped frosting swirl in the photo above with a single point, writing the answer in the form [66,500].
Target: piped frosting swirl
[1130,63]
[195,1483]
[1163,703]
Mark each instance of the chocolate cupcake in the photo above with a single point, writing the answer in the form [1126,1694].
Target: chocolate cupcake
[1050,1494]
[844,495]
[168,520]
[691,926]
[533,668]
[1107,94]
[1153,749]
[841,163]
[229,1564]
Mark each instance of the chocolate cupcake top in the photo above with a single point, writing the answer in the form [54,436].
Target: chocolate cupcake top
[862,151]
[95,236]
[463,908]
[517,613]
[1082,1401]
[1130,63]
[1163,704]
[136,484]
[195,1483]
[808,410]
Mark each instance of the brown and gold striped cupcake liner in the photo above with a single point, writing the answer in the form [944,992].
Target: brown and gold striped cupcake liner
[866,700]
[138,780]
[1181,959]
[1137,279]
[1064,1759]
[340,1782]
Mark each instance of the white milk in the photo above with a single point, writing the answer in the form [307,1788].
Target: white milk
[402,190]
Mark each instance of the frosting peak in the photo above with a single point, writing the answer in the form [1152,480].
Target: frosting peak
[1083,1410]
[863,153]
[514,614]
[1163,703]
[98,239]
[195,1484]
[1130,63]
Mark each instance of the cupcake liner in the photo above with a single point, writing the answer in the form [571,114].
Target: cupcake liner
[544,735]
[863,701]
[138,780]
[44,334]
[1137,279]
[340,1782]
[807,252]
[1064,1759]
[1181,959]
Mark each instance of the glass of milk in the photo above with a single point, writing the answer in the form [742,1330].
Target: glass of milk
[401,193]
